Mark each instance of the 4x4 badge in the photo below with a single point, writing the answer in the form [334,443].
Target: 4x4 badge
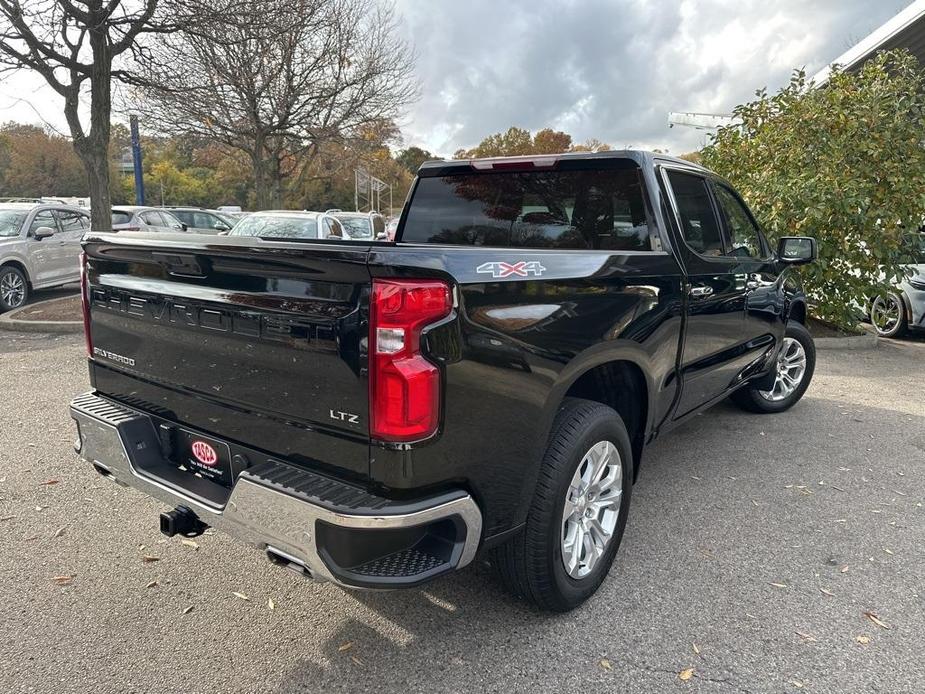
[520,269]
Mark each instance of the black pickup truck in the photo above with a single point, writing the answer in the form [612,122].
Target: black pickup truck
[381,413]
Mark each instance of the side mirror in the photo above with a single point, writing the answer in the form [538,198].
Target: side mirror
[183,226]
[797,250]
[221,227]
[43,233]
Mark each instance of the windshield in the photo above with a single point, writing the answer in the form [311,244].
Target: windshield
[357,227]
[269,227]
[11,223]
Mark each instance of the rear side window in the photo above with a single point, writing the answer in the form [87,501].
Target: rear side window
[587,209]
[695,208]
[121,217]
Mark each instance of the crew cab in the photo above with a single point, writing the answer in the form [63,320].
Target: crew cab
[379,413]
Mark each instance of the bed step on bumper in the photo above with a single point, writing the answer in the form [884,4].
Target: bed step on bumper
[316,525]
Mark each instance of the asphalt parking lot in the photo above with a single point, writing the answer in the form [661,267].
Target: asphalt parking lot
[763,554]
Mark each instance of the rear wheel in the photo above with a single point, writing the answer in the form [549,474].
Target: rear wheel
[14,289]
[576,521]
[888,315]
[794,368]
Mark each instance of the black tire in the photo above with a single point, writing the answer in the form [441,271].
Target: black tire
[530,564]
[895,302]
[10,275]
[751,399]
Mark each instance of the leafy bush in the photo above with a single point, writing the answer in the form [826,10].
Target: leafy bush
[843,162]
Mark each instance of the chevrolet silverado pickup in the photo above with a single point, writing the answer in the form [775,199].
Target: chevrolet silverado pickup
[381,413]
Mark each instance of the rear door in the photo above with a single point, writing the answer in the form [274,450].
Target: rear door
[718,347]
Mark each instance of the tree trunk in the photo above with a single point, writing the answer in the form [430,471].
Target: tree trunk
[97,168]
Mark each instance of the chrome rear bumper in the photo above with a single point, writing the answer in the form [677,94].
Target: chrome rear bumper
[286,521]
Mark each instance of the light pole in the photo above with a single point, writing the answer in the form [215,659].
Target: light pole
[136,160]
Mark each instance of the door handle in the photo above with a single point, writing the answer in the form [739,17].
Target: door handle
[701,291]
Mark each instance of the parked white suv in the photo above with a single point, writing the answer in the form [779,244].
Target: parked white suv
[39,248]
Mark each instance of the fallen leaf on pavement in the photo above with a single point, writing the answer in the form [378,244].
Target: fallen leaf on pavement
[844,569]
[795,683]
[863,640]
[696,649]
[779,585]
[151,584]
[59,532]
[807,637]
[187,610]
[148,558]
[240,595]
[356,660]
[6,518]
[345,647]
[271,604]
[827,592]
[48,483]
[686,674]
[605,665]
[63,580]
[875,619]
[190,543]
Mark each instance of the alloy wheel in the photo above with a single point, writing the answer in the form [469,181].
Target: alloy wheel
[886,313]
[791,367]
[12,289]
[592,508]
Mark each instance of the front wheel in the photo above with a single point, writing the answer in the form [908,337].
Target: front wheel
[888,315]
[14,289]
[576,521]
[793,372]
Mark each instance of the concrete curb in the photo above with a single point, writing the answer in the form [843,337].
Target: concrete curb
[8,321]
[852,342]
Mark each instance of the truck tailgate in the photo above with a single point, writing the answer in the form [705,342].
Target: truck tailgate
[232,333]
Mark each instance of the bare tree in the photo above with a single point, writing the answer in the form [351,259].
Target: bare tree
[275,79]
[73,45]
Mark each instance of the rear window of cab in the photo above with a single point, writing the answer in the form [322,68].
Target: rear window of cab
[599,208]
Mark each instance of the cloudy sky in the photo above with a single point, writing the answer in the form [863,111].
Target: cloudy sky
[607,69]
[612,69]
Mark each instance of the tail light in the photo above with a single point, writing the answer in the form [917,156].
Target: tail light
[85,302]
[404,387]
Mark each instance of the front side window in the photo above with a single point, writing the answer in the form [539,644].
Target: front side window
[744,239]
[43,219]
[600,209]
[699,225]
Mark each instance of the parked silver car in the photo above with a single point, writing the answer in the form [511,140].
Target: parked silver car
[903,309]
[201,221]
[287,224]
[39,248]
[365,226]
[136,218]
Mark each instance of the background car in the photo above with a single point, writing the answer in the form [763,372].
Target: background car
[39,248]
[287,224]
[391,228]
[893,314]
[202,221]
[135,218]
[361,225]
